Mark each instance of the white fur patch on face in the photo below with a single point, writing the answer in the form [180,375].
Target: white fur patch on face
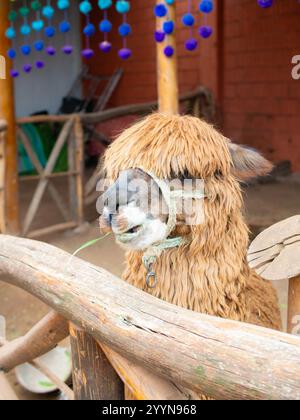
[154,231]
[133,214]
[151,230]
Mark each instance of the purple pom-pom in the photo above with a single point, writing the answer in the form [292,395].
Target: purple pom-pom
[67,49]
[191,44]
[88,53]
[159,36]
[125,53]
[51,51]
[27,68]
[105,46]
[40,64]
[169,51]
[14,73]
[265,3]
[205,31]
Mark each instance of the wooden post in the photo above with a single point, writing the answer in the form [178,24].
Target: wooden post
[7,112]
[79,163]
[167,77]
[3,128]
[93,376]
[294,306]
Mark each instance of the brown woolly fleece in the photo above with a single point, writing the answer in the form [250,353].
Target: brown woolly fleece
[210,274]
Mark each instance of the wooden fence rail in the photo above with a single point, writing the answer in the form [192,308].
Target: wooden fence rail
[219,358]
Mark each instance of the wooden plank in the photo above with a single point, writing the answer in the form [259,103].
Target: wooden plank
[7,112]
[294,306]
[219,358]
[36,163]
[142,384]
[93,376]
[167,77]
[33,207]
[60,227]
[28,178]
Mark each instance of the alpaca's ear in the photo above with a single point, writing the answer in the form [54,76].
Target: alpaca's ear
[248,163]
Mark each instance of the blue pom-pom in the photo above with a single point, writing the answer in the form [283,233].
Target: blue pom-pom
[105,26]
[50,31]
[26,49]
[37,25]
[64,26]
[39,45]
[206,6]
[104,4]
[25,30]
[89,30]
[160,10]
[170,2]
[11,53]
[85,7]
[168,27]
[124,29]
[10,33]
[122,6]
[48,12]
[63,4]
[188,19]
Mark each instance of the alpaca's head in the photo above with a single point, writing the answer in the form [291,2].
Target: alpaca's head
[174,147]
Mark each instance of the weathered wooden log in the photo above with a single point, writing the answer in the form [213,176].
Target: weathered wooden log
[219,358]
[93,376]
[43,337]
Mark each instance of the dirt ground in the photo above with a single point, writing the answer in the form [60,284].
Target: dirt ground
[265,205]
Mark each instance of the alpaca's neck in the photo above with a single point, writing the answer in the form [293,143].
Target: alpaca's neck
[205,276]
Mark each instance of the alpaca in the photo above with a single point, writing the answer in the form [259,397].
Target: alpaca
[207,271]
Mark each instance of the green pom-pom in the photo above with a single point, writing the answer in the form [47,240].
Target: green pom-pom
[36,5]
[24,11]
[12,16]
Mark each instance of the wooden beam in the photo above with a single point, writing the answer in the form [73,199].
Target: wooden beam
[93,376]
[219,358]
[167,77]
[7,112]
[45,335]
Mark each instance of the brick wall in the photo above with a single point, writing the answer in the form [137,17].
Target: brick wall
[249,71]
[261,103]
